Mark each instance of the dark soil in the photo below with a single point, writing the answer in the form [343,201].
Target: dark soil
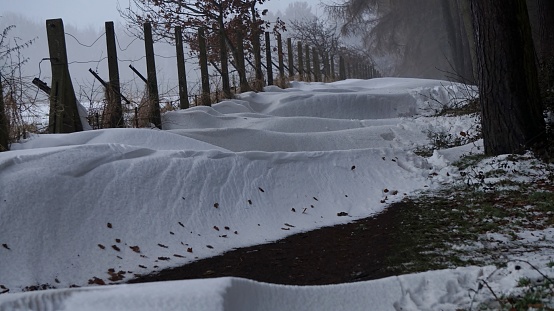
[351,252]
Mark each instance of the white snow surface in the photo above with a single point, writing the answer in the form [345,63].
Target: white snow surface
[242,172]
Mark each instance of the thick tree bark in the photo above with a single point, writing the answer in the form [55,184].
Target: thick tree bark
[511,109]
[546,29]
[546,50]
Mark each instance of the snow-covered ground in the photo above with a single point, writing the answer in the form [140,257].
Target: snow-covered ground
[102,206]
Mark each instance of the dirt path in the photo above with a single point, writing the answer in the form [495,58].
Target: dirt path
[343,253]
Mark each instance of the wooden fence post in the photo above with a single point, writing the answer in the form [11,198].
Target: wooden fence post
[300,62]
[181,70]
[290,58]
[224,58]
[269,64]
[342,68]
[256,46]
[327,70]
[114,108]
[205,98]
[4,129]
[241,67]
[281,60]
[64,116]
[317,68]
[153,96]
[308,68]
[332,59]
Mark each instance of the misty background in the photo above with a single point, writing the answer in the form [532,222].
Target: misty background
[86,47]
[401,38]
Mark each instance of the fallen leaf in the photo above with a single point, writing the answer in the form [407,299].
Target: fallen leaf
[96,281]
[135,249]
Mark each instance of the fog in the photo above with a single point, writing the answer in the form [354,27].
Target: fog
[86,49]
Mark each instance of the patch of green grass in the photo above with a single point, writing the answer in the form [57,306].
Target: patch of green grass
[469,160]
[440,230]
[522,282]
[534,296]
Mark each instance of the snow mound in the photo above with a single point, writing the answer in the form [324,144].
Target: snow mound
[77,208]
[435,290]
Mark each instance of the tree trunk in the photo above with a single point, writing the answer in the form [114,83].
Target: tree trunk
[546,29]
[546,50]
[511,109]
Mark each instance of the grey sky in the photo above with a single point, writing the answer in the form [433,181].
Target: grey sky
[93,13]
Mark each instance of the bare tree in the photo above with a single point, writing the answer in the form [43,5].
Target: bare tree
[221,19]
[317,33]
[11,84]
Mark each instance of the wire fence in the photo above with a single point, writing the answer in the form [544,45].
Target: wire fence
[278,68]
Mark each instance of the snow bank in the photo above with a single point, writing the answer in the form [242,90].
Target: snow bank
[435,290]
[103,206]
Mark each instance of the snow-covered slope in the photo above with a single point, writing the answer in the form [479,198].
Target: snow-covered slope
[75,208]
